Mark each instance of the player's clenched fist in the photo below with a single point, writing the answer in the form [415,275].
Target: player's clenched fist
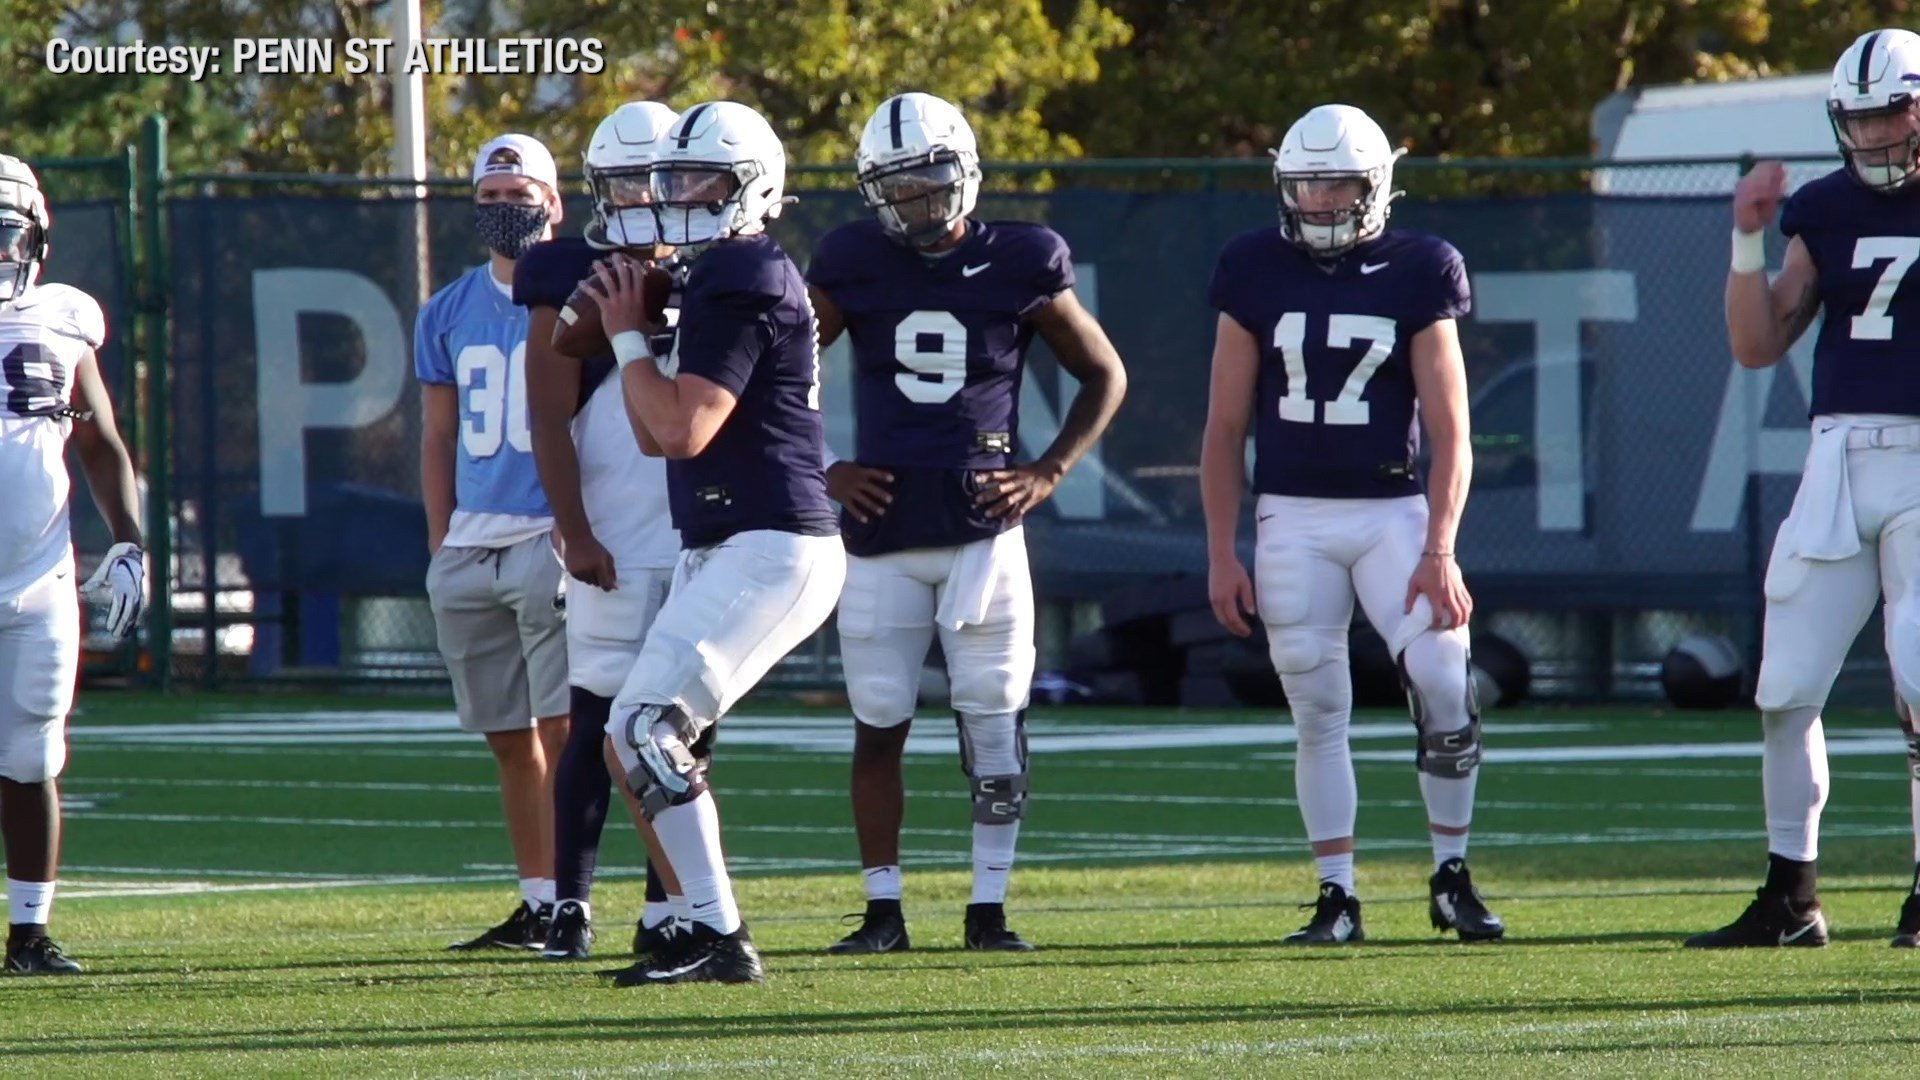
[1757,197]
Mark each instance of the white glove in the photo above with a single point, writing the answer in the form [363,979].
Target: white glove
[124,573]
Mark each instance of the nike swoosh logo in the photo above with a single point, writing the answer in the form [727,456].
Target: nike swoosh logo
[969,271]
[693,965]
[1269,517]
[1788,939]
[1368,268]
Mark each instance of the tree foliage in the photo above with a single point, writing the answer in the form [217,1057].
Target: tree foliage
[1039,78]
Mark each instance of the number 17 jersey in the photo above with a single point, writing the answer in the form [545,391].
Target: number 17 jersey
[1334,401]
[939,349]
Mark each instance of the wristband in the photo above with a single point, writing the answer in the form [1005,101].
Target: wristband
[628,346]
[1436,554]
[1749,252]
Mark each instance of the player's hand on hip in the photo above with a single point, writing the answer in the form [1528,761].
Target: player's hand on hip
[616,286]
[586,559]
[1756,198]
[861,490]
[1010,493]
[1438,579]
[1230,591]
[121,582]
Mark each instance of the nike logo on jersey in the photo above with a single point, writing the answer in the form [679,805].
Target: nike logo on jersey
[1368,268]
[969,271]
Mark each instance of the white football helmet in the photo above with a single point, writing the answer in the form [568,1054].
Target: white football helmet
[1872,105]
[1331,148]
[23,227]
[918,166]
[618,159]
[720,172]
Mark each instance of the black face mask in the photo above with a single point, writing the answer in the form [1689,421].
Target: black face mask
[509,229]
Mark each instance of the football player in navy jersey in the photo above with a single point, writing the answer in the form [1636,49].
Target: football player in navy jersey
[735,409]
[940,308]
[1336,338]
[610,508]
[1854,532]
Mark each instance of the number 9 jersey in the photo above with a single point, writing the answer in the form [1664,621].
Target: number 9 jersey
[1863,245]
[1334,411]
[939,349]
[43,335]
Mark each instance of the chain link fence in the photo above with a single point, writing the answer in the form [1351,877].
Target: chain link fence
[1628,477]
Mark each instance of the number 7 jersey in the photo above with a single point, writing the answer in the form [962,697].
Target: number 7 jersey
[1864,245]
[1334,401]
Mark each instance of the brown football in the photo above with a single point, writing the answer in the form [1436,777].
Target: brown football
[578,332]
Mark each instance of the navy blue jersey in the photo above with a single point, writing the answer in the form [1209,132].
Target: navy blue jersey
[547,275]
[939,349]
[1864,245]
[1334,406]
[746,325]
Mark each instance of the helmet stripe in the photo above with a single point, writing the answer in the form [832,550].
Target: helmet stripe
[1865,75]
[686,126]
[897,103]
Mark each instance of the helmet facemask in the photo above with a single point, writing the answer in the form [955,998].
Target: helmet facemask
[623,215]
[919,200]
[22,246]
[1881,145]
[1331,213]
[698,202]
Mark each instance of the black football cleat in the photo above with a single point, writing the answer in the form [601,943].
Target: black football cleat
[526,928]
[570,934]
[883,929]
[663,942]
[1454,904]
[38,954]
[986,930]
[705,955]
[1336,919]
[1770,922]
[1907,934]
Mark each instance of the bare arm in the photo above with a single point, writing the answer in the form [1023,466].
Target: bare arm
[1764,320]
[682,414]
[439,432]
[553,389]
[1082,347]
[827,317]
[103,457]
[648,444]
[1223,447]
[1440,380]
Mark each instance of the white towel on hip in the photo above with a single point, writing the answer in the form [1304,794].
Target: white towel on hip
[1821,526]
[975,579]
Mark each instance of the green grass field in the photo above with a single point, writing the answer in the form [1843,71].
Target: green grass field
[264,886]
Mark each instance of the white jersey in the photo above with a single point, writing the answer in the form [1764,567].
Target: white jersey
[625,491]
[43,335]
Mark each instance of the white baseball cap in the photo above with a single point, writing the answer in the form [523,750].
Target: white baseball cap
[516,155]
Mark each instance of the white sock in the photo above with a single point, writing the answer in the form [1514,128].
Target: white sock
[531,890]
[1914,784]
[29,902]
[690,836]
[682,910]
[882,882]
[655,913]
[1793,775]
[1337,869]
[1448,846]
[993,847]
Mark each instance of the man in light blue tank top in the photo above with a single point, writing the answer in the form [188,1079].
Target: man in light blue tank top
[494,577]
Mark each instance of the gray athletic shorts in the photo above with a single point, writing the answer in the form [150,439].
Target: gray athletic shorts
[504,642]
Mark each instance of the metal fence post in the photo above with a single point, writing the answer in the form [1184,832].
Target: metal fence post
[153,311]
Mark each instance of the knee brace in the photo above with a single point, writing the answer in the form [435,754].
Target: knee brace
[33,753]
[665,770]
[1449,754]
[999,782]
